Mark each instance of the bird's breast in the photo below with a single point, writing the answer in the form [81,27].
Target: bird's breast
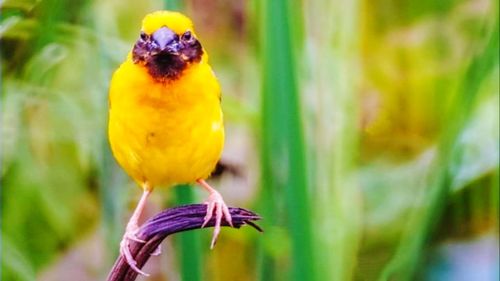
[166,133]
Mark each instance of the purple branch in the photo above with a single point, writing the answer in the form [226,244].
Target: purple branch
[167,222]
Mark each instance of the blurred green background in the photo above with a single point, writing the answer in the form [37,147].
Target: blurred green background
[366,133]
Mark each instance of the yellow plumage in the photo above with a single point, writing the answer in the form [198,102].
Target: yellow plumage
[165,132]
[178,22]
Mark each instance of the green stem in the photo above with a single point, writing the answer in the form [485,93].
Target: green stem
[188,243]
[283,147]
[174,5]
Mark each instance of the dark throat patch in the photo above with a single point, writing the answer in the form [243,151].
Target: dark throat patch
[165,66]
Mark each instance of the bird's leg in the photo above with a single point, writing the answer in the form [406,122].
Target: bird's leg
[216,202]
[131,232]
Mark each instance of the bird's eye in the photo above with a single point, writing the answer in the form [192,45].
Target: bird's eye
[144,36]
[187,36]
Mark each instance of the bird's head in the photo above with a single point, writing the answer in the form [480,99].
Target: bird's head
[167,45]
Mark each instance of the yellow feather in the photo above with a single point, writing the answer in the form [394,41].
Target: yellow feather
[177,22]
[171,132]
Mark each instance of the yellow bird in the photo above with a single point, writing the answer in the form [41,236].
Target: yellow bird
[165,120]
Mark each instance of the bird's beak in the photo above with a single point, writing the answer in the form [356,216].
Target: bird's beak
[167,41]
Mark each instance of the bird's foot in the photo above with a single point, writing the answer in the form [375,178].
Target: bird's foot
[131,235]
[215,202]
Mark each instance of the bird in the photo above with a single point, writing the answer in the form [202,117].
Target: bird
[165,122]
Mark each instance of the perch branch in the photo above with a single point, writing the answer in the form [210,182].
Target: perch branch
[167,222]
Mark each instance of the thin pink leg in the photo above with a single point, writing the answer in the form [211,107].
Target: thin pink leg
[131,232]
[215,202]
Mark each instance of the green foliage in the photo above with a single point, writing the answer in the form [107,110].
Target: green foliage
[53,123]
[283,148]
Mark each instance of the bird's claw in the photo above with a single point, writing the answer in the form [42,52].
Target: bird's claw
[157,251]
[130,234]
[215,202]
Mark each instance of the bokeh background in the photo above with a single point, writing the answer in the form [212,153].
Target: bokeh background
[365,132]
